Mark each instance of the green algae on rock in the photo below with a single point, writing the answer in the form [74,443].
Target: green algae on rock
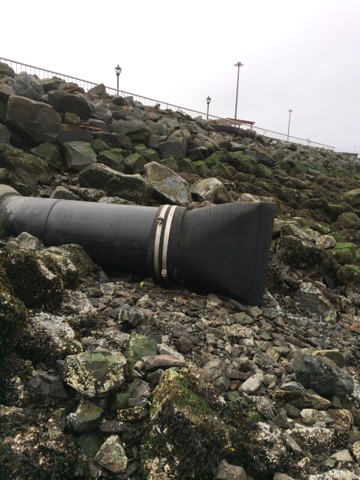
[204,429]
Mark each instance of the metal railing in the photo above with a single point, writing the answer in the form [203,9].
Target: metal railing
[41,73]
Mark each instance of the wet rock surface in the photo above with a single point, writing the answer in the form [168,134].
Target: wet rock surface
[108,375]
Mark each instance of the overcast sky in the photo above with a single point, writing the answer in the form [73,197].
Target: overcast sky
[297,54]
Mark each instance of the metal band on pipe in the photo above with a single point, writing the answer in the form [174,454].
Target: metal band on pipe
[168,223]
[159,228]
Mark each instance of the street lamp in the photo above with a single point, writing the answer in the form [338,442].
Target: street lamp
[208,100]
[117,71]
[238,64]
[289,124]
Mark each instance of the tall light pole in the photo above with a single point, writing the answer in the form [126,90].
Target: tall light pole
[289,124]
[117,71]
[238,65]
[208,100]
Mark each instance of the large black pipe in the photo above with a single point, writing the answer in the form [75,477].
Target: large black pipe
[222,248]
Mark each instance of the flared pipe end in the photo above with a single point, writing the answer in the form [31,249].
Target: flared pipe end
[222,248]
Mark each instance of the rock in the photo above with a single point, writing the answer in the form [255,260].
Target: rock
[216,373]
[140,347]
[177,393]
[322,375]
[6,70]
[48,384]
[349,220]
[68,102]
[129,187]
[230,472]
[112,455]
[58,338]
[176,149]
[36,278]
[352,197]
[86,417]
[211,190]
[342,456]
[113,159]
[27,241]
[25,167]
[167,184]
[78,155]
[26,86]
[252,384]
[39,121]
[95,373]
[135,129]
[334,475]
[163,361]
[50,153]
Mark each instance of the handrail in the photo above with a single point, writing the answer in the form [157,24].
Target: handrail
[146,101]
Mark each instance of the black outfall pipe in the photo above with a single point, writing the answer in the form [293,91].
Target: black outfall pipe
[221,248]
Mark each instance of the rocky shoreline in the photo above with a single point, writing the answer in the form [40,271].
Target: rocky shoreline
[110,375]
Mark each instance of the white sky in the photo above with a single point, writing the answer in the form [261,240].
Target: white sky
[297,54]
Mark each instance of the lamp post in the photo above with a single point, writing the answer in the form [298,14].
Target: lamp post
[117,71]
[238,65]
[208,100]
[288,132]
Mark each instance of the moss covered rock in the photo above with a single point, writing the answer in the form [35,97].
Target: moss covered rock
[349,220]
[243,163]
[353,197]
[343,252]
[188,423]
[35,278]
[349,274]
[299,253]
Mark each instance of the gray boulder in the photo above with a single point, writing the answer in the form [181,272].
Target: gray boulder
[50,153]
[68,102]
[78,155]
[115,184]
[6,70]
[73,133]
[211,190]
[136,129]
[38,120]
[27,167]
[167,184]
[113,159]
[6,91]
[173,148]
[25,85]
[322,375]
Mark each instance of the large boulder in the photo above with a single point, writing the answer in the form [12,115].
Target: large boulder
[39,121]
[78,155]
[211,190]
[115,184]
[167,184]
[173,148]
[322,375]
[136,129]
[28,168]
[69,102]
[25,85]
